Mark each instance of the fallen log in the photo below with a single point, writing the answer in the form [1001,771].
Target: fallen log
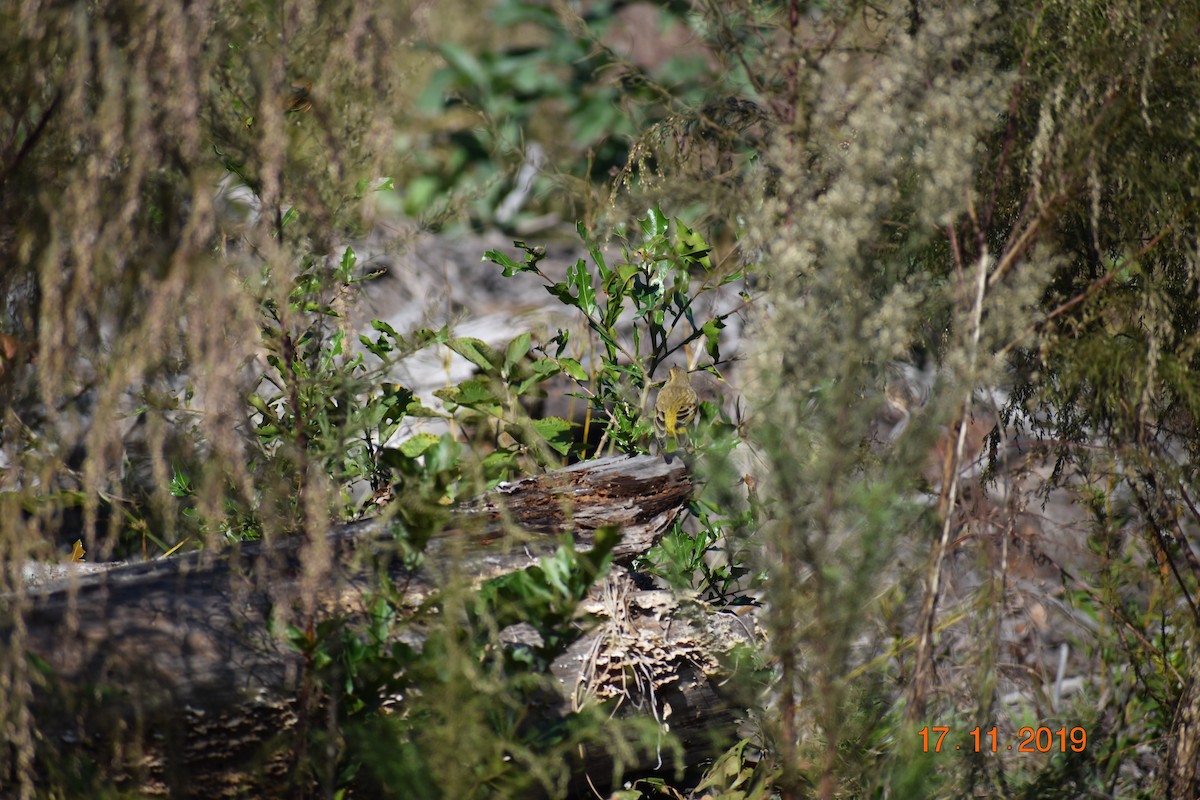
[194,680]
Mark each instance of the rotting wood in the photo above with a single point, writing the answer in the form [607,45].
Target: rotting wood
[188,638]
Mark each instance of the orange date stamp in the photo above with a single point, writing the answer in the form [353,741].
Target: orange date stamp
[1041,739]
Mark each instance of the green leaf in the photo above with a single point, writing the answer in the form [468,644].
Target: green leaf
[595,252]
[692,246]
[423,337]
[421,192]
[498,461]
[261,406]
[415,409]
[684,304]
[332,351]
[383,327]
[579,277]
[563,293]
[445,456]
[418,444]
[547,595]
[532,256]
[653,224]
[394,402]
[465,64]
[574,369]
[473,393]
[475,351]
[543,369]
[347,264]
[512,14]
[181,484]
[533,253]
[712,343]
[647,295]
[39,664]
[596,117]
[557,433]
[510,267]
[517,349]
[379,348]
[560,341]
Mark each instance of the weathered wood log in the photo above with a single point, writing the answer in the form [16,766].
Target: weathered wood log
[663,656]
[189,638]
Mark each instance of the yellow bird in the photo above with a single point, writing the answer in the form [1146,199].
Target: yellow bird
[676,404]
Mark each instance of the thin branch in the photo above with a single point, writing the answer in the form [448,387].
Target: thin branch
[1086,294]
[947,501]
[1161,542]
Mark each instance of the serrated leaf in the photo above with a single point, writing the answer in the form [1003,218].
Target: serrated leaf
[348,260]
[380,347]
[383,327]
[579,278]
[533,254]
[653,224]
[508,266]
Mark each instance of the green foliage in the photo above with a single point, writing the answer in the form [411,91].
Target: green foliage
[702,553]
[642,311]
[462,683]
[493,400]
[1000,195]
[1003,194]
[545,75]
[264,416]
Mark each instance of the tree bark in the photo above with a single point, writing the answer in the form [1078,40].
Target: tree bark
[192,676]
